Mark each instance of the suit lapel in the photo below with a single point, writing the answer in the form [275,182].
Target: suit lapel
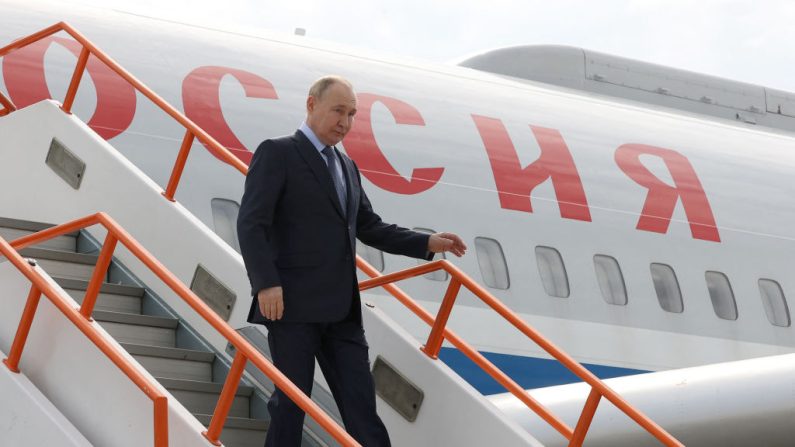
[319,168]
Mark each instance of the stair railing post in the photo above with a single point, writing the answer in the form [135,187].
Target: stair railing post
[436,337]
[161,421]
[213,432]
[12,362]
[8,106]
[588,412]
[99,275]
[82,60]
[179,165]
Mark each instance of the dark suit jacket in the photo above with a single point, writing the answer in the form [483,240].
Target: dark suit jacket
[293,233]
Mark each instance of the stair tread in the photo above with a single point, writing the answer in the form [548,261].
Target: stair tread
[27,225]
[135,319]
[170,353]
[205,387]
[116,289]
[59,255]
[233,422]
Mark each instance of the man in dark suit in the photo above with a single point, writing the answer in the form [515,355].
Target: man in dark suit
[301,212]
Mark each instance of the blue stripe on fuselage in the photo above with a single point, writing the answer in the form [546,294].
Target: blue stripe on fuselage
[528,372]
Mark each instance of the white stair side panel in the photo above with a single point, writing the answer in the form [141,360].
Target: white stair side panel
[31,419]
[79,380]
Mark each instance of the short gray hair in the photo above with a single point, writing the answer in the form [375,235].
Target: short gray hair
[321,86]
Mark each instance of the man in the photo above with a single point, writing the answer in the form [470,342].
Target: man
[301,212]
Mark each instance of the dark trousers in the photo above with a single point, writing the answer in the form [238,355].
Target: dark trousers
[341,352]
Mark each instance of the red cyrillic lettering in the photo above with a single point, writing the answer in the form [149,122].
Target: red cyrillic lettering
[514,183]
[23,71]
[202,103]
[661,198]
[361,146]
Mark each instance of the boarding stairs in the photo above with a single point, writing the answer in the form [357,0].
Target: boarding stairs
[153,326]
[142,324]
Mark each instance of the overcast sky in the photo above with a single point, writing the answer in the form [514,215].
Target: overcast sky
[745,40]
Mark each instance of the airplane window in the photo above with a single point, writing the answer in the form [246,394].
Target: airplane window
[722,296]
[774,302]
[667,287]
[373,256]
[439,275]
[225,221]
[492,263]
[552,272]
[611,281]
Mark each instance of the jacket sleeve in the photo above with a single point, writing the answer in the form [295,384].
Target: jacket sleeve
[264,184]
[373,231]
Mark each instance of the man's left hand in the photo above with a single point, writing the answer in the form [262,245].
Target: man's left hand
[442,242]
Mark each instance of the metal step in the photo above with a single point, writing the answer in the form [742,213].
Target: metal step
[240,432]
[202,397]
[151,340]
[61,263]
[174,363]
[112,297]
[11,229]
[139,329]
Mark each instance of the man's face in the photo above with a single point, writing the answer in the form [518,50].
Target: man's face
[331,116]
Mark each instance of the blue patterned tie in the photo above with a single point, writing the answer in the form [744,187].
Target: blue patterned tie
[339,185]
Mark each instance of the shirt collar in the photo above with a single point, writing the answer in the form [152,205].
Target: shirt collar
[304,128]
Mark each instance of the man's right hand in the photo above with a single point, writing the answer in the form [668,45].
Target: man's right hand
[271,303]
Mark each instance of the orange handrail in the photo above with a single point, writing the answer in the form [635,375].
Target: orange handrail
[8,106]
[192,130]
[439,332]
[40,286]
[245,351]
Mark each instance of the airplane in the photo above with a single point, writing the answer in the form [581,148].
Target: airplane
[639,235]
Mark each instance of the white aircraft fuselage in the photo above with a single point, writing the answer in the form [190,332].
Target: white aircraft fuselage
[538,169]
